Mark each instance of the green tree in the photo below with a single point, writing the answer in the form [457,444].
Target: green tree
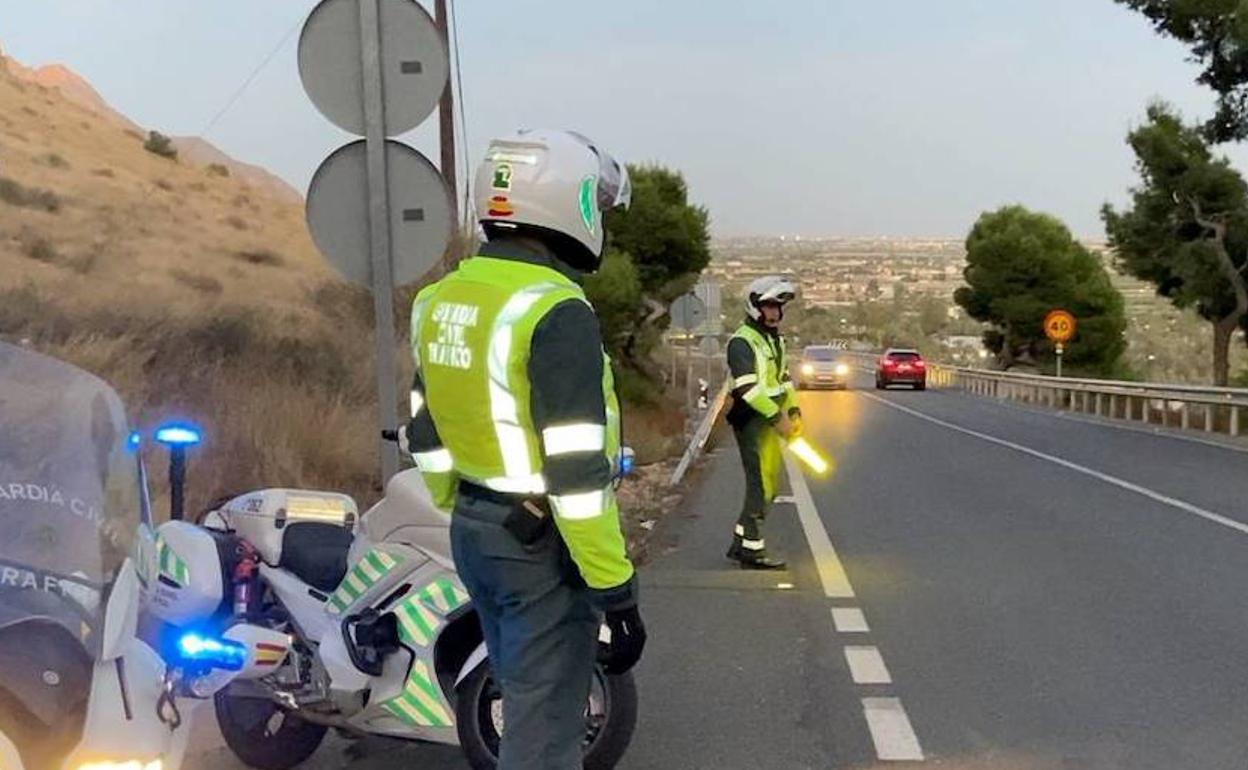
[667,237]
[1216,32]
[615,292]
[873,289]
[667,240]
[1021,265]
[1186,230]
[933,316]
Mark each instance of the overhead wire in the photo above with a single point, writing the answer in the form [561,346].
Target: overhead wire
[238,92]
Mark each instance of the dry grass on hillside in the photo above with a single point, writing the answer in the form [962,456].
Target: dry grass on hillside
[197,297]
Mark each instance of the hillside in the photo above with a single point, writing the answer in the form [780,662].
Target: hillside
[196,293]
[190,148]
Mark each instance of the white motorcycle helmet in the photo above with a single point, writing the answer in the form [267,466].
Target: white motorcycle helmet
[769,288]
[555,185]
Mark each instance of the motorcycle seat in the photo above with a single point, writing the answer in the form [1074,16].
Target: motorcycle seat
[316,553]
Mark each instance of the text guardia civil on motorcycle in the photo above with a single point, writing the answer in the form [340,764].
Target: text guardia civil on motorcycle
[79,690]
[361,624]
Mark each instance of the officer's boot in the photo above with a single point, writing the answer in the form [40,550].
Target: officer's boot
[748,548]
[759,560]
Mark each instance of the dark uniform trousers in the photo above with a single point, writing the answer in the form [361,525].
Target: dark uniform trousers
[540,630]
[760,449]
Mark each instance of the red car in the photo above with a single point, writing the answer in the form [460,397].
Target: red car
[901,366]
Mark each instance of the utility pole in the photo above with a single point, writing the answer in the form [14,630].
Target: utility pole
[446,114]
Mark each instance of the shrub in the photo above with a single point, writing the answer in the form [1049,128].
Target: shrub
[22,306]
[235,221]
[104,172]
[16,194]
[204,284]
[83,263]
[342,301]
[164,184]
[159,144]
[635,387]
[40,249]
[260,257]
[53,160]
[217,169]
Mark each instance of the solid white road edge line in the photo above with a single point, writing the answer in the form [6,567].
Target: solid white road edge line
[891,732]
[831,572]
[1173,502]
[1117,423]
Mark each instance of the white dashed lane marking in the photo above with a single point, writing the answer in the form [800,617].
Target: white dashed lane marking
[849,620]
[890,730]
[866,665]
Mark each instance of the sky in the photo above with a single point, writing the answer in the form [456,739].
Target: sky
[795,117]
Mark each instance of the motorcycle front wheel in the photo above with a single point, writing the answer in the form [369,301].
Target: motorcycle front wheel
[263,735]
[610,717]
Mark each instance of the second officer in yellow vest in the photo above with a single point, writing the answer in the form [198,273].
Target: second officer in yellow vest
[515,425]
[764,413]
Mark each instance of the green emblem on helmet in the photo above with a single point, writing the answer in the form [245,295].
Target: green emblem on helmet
[502,177]
[589,193]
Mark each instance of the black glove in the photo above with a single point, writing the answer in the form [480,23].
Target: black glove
[628,639]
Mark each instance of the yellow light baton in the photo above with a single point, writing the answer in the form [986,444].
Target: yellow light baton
[809,456]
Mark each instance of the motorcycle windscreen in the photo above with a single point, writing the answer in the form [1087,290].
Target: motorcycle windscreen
[71,493]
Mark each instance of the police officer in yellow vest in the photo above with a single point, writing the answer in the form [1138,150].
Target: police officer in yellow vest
[764,412]
[515,426]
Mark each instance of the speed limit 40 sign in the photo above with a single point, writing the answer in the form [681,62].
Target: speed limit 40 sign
[1059,326]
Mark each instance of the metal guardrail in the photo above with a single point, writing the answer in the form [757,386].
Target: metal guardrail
[1220,410]
[702,434]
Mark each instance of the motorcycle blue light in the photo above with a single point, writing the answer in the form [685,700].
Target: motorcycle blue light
[134,440]
[178,434]
[626,465]
[218,653]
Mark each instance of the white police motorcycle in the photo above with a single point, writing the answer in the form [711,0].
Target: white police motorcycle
[369,629]
[79,690]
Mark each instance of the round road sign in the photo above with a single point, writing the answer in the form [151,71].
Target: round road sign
[688,312]
[1059,326]
[421,219]
[414,64]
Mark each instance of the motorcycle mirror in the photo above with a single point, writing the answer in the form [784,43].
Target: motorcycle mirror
[177,437]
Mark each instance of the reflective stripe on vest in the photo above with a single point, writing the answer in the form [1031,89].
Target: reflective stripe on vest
[513,441]
[497,448]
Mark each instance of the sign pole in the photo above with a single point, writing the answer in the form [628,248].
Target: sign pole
[689,379]
[708,366]
[379,231]
[1059,350]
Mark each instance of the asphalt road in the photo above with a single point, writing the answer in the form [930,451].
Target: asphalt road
[976,586]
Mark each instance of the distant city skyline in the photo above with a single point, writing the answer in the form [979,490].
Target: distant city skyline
[828,118]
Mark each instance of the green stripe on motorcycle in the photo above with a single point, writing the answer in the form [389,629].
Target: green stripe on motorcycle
[450,593]
[419,679]
[417,621]
[428,706]
[406,709]
[170,565]
[380,561]
[366,573]
[420,687]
